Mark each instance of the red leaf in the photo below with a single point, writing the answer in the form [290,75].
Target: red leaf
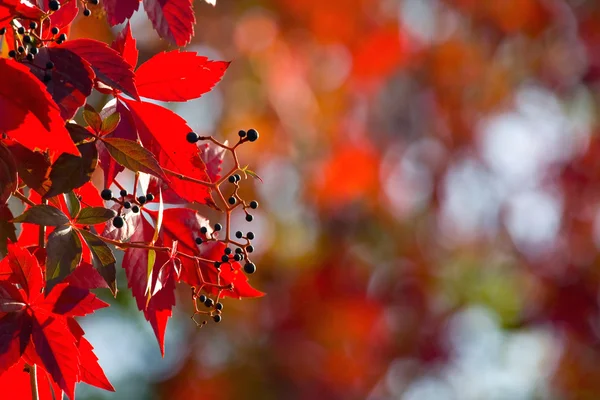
[33,167]
[14,337]
[28,113]
[8,174]
[124,43]
[133,156]
[118,11]
[56,347]
[7,229]
[71,301]
[71,80]
[65,14]
[24,270]
[178,76]
[110,68]
[85,276]
[212,156]
[91,372]
[163,133]
[173,19]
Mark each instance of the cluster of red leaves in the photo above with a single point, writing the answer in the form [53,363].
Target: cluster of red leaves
[66,224]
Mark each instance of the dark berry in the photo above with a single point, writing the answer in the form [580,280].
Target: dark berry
[54,30]
[94,2]
[123,192]
[49,65]
[21,30]
[191,137]
[239,234]
[231,200]
[118,222]
[135,209]
[26,39]
[254,204]
[250,249]
[217,264]
[87,12]
[249,217]
[225,258]
[232,179]
[237,177]
[149,197]
[252,135]
[21,49]
[204,230]
[33,50]
[141,199]
[242,133]
[127,205]
[218,227]
[250,268]
[30,57]
[202,298]
[54,5]
[33,25]
[198,241]
[228,250]
[62,37]
[47,78]
[2,31]
[250,235]
[238,251]
[12,54]
[106,194]
[219,306]
[237,257]
[209,302]
[217,318]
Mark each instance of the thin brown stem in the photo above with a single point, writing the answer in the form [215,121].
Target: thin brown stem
[23,198]
[33,382]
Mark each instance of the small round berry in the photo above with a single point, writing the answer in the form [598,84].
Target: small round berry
[242,133]
[238,251]
[231,200]
[33,50]
[219,306]
[250,235]
[228,250]
[191,137]
[217,264]
[49,65]
[135,209]
[232,179]
[118,222]
[239,234]
[218,227]
[55,30]
[30,57]
[149,197]
[106,194]
[237,257]
[94,2]
[250,249]
[249,217]
[21,49]
[47,78]
[202,298]
[141,199]
[249,268]
[26,39]
[123,192]
[204,230]
[21,30]
[198,241]
[12,54]
[62,37]
[237,177]
[33,25]
[127,205]
[54,5]
[217,318]
[254,204]
[2,31]
[252,135]
[225,258]
[87,12]
[209,302]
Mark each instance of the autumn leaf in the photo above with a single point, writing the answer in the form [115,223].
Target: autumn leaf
[125,44]
[173,19]
[133,156]
[118,11]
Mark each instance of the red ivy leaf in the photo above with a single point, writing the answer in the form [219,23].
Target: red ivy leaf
[212,156]
[7,229]
[124,43]
[65,14]
[110,68]
[19,268]
[173,19]
[163,78]
[8,174]
[28,113]
[118,11]
[33,167]
[85,276]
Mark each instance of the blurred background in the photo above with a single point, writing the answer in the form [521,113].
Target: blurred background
[429,223]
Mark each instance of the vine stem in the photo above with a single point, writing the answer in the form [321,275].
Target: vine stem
[33,382]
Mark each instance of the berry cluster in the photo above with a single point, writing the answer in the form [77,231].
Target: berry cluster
[125,202]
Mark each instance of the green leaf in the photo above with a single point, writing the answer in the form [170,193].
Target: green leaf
[63,254]
[95,215]
[71,172]
[73,204]
[133,156]
[151,261]
[43,215]
[110,123]
[78,133]
[102,258]
[92,118]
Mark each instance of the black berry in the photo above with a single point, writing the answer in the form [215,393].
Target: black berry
[54,5]
[249,217]
[62,37]
[26,39]
[204,230]
[21,30]
[106,194]
[227,250]
[149,197]
[21,49]
[202,298]
[217,318]
[135,209]
[127,205]
[239,234]
[123,192]
[141,199]
[238,251]
[2,31]
[249,268]
[250,249]
[237,257]
[250,235]
[191,137]
[33,25]
[33,50]
[94,2]
[118,222]
[252,135]
[218,227]
[231,200]
[49,65]
[225,258]
[242,133]
[254,204]
[54,30]
[198,240]
[219,306]
[232,179]
[209,302]
[217,264]
[30,57]
[12,54]
[47,78]
[87,12]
